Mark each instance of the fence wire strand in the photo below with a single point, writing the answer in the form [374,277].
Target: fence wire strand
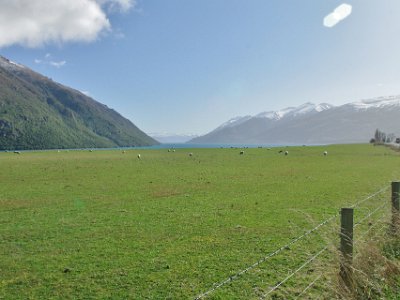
[233,277]
[370,197]
[370,214]
[277,251]
[295,272]
[309,286]
[366,233]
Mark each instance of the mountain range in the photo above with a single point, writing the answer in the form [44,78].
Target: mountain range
[38,113]
[311,123]
[171,138]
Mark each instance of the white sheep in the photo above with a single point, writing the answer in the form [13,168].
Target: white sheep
[241,152]
[138,156]
[286,152]
[325,153]
[190,154]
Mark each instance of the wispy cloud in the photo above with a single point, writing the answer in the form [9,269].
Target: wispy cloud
[340,13]
[46,60]
[117,5]
[37,23]
[118,34]
[57,64]
[86,93]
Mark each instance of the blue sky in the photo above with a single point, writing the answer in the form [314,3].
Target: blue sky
[187,66]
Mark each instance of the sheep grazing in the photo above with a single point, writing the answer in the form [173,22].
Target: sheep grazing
[190,154]
[241,152]
[169,150]
[286,152]
[138,156]
[17,152]
[325,153]
[123,152]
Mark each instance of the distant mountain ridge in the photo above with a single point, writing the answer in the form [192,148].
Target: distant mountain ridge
[306,108]
[311,124]
[38,113]
[170,138]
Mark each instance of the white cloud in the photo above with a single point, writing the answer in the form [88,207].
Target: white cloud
[117,5]
[118,34]
[36,23]
[48,61]
[340,13]
[86,93]
[57,64]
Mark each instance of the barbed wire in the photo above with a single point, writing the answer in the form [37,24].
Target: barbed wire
[293,273]
[238,274]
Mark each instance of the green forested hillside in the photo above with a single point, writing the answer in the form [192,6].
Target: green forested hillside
[38,113]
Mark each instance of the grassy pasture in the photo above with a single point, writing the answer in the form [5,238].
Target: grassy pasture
[103,224]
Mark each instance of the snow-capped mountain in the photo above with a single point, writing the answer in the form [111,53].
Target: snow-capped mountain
[233,122]
[306,108]
[380,102]
[312,124]
[8,64]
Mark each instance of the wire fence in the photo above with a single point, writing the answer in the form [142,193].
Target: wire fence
[308,287]
[360,222]
[295,272]
[237,275]
[265,258]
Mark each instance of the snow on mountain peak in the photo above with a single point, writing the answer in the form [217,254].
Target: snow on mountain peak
[379,102]
[233,122]
[294,111]
[8,64]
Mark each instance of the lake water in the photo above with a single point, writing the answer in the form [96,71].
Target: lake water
[171,146]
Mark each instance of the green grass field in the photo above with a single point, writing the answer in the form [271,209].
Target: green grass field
[106,225]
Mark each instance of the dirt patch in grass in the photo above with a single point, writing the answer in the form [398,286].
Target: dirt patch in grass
[165,192]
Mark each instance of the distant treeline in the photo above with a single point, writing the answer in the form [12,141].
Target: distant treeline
[381,137]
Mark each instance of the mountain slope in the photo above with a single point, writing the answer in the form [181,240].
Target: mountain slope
[313,124]
[38,113]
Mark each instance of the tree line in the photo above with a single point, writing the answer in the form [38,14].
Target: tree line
[381,137]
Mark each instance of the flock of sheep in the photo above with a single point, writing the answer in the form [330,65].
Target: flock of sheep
[325,153]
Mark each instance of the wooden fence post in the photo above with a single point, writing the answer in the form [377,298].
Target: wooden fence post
[395,205]
[346,246]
